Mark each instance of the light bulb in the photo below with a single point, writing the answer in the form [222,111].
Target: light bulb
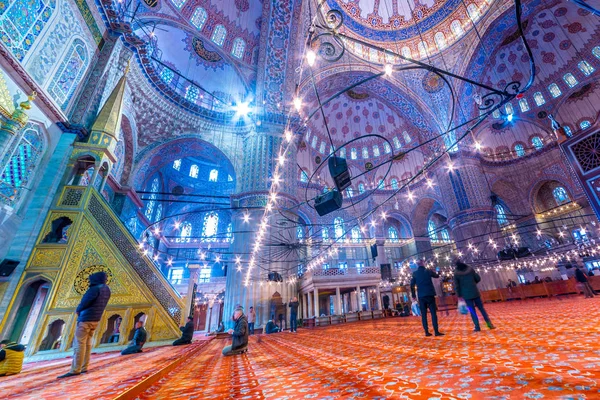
[388,69]
[311,57]
[298,103]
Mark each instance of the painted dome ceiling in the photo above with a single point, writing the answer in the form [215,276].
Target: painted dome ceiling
[415,29]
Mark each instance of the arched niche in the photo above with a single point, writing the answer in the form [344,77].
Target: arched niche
[112,334]
[54,336]
[58,231]
[30,303]
[138,317]
[550,194]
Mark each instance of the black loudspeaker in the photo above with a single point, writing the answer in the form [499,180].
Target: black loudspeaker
[386,272]
[374,251]
[328,202]
[8,266]
[511,254]
[338,168]
[275,277]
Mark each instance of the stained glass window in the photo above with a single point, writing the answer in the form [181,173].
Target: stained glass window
[356,235]
[431,231]
[473,11]
[185,232]
[373,55]
[229,234]
[194,171]
[69,73]
[158,212]
[358,49]
[560,195]
[361,188]
[397,143]
[353,153]
[218,36]
[539,99]
[376,150]
[570,79]
[177,164]
[322,148]
[568,130]
[213,175]
[523,105]
[343,152]
[586,68]
[501,215]
[456,28]
[554,90]
[519,150]
[387,148]
[406,52]
[450,142]
[596,52]
[393,234]
[537,142]
[349,192]
[509,108]
[313,143]
[178,3]
[204,275]
[440,40]
[381,184]
[585,124]
[365,152]
[154,187]
[191,93]
[496,113]
[299,233]
[303,176]
[176,275]
[394,184]
[238,48]
[229,178]
[338,227]
[445,235]
[406,137]
[209,227]
[199,17]
[325,233]
[422,47]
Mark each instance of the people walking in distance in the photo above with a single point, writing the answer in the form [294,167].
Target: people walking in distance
[465,286]
[583,283]
[187,332]
[294,314]
[422,280]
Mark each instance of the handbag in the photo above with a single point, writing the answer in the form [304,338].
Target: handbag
[462,307]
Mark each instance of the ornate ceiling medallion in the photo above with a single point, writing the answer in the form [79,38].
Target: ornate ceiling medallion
[432,82]
[82,283]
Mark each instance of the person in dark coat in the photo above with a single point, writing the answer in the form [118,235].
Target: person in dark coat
[239,340]
[465,286]
[89,313]
[294,314]
[11,357]
[271,327]
[139,339]
[583,283]
[422,280]
[187,333]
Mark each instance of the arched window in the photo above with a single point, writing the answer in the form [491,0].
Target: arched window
[365,152]
[445,235]
[166,75]
[406,52]
[523,105]
[213,175]
[456,28]
[343,152]
[381,184]
[69,74]
[191,93]
[158,213]
[431,231]
[238,48]
[338,228]
[568,130]
[185,232]
[229,234]
[313,142]
[496,113]
[394,184]
[397,143]
[519,150]
[406,137]
[303,176]
[199,17]
[570,79]
[325,233]
[361,188]
[86,178]
[473,12]
[349,192]
[376,150]
[596,52]
[509,109]
[440,40]
[218,36]
[554,90]
[537,142]
[210,226]
[585,124]
[229,178]
[356,235]
[299,232]
[500,215]
[422,47]
[178,3]
[539,99]
[387,148]
[450,142]
[154,187]
[353,153]
[194,171]
[373,55]
[177,164]
[560,195]
[358,49]
[393,235]
[322,148]
[586,68]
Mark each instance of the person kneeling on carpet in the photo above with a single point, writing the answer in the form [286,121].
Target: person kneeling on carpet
[239,333]
[187,332]
[11,357]
[139,338]
[271,327]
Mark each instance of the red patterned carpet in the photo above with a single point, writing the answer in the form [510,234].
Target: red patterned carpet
[546,349]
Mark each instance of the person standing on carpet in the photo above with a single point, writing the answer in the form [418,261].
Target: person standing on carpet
[139,339]
[583,283]
[187,332]
[239,333]
[294,314]
[251,320]
[89,313]
[422,279]
[465,286]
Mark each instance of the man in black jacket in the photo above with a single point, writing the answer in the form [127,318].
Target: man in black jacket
[139,339]
[294,314]
[465,286]
[422,280]
[583,282]
[89,313]
[187,332]
[239,341]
